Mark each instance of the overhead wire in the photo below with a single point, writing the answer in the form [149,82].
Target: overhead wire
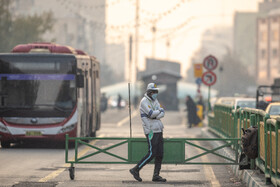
[122,31]
[91,7]
[158,16]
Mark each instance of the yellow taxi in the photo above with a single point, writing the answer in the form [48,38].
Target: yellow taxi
[273,109]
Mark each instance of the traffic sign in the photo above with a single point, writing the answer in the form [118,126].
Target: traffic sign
[198,70]
[210,62]
[198,81]
[209,78]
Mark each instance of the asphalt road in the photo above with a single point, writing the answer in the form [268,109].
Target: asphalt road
[40,164]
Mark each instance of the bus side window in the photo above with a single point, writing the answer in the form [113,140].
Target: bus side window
[80,81]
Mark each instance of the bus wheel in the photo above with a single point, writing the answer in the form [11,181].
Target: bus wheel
[72,173]
[5,144]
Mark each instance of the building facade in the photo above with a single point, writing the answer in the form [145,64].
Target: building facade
[268,46]
[244,39]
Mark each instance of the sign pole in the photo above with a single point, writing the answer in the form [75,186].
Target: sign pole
[209,96]
[209,78]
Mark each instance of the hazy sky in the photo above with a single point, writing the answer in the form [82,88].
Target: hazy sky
[182,21]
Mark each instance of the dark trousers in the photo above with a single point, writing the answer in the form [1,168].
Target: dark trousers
[155,150]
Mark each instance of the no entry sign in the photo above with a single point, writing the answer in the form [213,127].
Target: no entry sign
[210,62]
[209,78]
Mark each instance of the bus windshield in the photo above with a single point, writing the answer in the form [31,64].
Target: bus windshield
[31,85]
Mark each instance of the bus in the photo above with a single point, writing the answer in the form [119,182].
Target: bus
[47,91]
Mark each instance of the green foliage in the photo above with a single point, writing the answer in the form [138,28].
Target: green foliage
[18,30]
[5,24]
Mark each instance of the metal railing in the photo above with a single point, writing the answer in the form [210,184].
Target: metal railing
[227,122]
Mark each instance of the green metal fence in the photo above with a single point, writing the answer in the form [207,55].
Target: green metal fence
[272,162]
[226,122]
[135,148]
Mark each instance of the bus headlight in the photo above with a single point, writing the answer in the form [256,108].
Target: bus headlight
[67,128]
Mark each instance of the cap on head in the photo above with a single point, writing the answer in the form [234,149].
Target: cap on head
[152,86]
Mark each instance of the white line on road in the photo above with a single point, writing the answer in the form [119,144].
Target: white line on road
[125,120]
[209,173]
[184,122]
[66,165]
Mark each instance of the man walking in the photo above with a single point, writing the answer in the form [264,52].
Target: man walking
[151,113]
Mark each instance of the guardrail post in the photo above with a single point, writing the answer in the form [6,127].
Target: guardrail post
[267,172]
[66,148]
[276,148]
[252,124]
[270,149]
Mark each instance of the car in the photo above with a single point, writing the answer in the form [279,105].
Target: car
[273,109]
[245,102]
[238,102]
[225,100]
[113,102]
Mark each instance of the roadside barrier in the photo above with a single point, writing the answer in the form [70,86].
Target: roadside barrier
[227,122]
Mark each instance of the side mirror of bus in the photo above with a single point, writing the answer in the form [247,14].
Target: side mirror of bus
[80,81]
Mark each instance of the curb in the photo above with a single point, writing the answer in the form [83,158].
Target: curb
[248,176]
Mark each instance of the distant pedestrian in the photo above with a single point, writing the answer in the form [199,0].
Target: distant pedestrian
[193,119]
[151,113]
[135,101]
[119,101]
[201,103]
[104,102]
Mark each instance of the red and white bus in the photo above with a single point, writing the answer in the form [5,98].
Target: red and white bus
[47,91]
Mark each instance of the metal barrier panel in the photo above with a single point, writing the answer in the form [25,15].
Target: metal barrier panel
[175,153]
[175,150]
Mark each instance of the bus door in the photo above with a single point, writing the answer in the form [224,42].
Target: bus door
[93,100]
[87,105]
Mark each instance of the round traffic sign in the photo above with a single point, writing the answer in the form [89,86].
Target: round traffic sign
[198,81]
[209,78]
[210,62]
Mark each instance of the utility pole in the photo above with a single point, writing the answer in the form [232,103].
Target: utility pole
[167,48]
[130,59]
[154,30]
[136,37]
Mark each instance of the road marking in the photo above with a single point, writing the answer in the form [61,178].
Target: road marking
[123,121]
[184,121]
[54,174]
[209,173]
[66,165]
[184,118]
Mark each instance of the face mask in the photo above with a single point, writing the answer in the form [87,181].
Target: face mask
[154,96]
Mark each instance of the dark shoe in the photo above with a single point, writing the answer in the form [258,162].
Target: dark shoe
[157,178]
[135,174]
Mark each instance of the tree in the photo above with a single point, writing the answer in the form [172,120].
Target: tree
[17,30]
[5,24]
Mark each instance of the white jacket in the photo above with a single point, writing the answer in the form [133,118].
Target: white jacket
[151,113]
